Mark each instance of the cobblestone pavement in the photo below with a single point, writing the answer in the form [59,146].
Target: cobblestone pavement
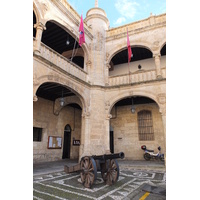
[131,185]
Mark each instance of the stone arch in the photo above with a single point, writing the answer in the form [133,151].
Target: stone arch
[67,28]
[163,43]
[116,49]
[114,99]
[68,100]
[37,12]
[66,83]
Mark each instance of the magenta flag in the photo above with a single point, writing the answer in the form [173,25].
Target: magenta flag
[81,33]
[129,48]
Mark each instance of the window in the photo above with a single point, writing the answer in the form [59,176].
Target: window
[37,134]
[145,125]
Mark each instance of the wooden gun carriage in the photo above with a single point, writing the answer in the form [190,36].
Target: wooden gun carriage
[106,164]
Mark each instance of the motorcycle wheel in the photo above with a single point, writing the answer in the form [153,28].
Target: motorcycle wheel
[162,158]
[147,156]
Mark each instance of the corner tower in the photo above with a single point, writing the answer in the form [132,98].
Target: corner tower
[97,20]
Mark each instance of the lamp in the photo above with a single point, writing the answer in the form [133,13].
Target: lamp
[67,42]
[62,100]
[132,107]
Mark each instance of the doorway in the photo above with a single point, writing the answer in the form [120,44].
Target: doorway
[67,142]
[111,140]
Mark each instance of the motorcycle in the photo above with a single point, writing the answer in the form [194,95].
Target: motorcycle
[149,154]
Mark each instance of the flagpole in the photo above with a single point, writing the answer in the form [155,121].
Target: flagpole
[129,72]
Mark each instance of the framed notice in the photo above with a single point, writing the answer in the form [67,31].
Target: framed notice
[54,142]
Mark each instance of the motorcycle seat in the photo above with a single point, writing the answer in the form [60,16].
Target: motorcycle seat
[149,150]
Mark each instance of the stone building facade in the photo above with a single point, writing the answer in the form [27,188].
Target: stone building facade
[96,87]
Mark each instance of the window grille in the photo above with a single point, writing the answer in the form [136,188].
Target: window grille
[145,125]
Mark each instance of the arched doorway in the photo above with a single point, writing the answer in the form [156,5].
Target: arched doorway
[67,142]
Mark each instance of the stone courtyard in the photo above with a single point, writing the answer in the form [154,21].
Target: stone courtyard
[131,184]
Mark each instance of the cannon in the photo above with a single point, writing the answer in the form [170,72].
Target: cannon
[106,164]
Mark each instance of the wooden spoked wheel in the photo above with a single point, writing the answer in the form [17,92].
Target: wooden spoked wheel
[110,173]
[88,171]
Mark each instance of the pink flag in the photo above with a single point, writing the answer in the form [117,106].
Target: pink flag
[129,48]
[81,33]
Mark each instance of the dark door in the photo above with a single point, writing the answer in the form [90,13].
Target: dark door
[111,142]
[67,142]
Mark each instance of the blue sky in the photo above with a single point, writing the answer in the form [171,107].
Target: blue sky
[120,12]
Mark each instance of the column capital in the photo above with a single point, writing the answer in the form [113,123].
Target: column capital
[162,110]
[108,65]
[89,63]
[40,25]
[86,114]
[156,55]
[35,98]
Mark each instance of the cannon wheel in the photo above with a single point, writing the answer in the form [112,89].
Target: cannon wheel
[88,171]
[110,174]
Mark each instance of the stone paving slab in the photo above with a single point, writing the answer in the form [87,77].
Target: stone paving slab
[59,185]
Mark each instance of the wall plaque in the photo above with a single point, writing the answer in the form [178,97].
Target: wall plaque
[76,142]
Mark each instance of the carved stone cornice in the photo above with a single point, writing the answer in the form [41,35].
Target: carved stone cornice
[136,27]
[98,16]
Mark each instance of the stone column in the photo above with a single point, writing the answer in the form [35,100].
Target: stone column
[157,64]
[39,29]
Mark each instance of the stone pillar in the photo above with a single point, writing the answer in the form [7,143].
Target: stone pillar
[163,114]
[39,29]
[84,149]
[107,73]
[88,69]
[157,64]
[107,134]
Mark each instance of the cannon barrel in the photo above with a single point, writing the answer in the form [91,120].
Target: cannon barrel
[109,156]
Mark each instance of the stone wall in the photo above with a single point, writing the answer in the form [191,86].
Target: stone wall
[53,125]
[125,127]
